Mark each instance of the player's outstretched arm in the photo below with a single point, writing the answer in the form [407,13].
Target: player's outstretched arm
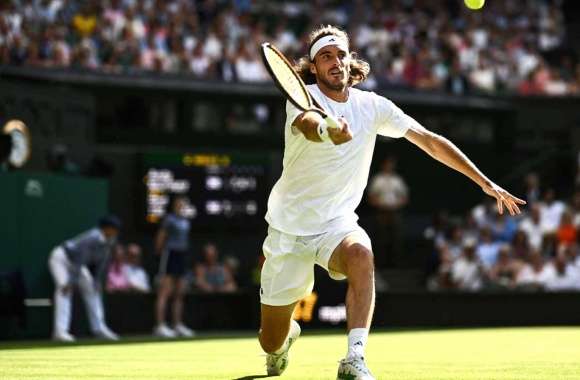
[446,152]
[309,123]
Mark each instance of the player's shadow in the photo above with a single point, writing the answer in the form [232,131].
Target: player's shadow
[251,377]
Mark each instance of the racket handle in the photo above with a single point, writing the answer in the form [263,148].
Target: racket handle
[331,122]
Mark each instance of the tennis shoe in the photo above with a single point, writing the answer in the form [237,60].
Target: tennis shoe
[353,368]
[276,364]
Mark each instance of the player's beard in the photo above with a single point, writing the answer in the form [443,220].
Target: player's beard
[340,86]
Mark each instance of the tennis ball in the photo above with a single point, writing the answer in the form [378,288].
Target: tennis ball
[474,4]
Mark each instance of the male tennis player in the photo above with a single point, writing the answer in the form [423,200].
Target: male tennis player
[311,208]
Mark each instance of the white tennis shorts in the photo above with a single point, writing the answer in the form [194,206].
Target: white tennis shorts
[288,272]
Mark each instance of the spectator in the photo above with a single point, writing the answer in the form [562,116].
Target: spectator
[248,66]
[533,227]
[137,278]
[487,249]
[566,233]
[116,276]
[520,246]
[85,22]
[504,272]
[532,184]
[388,194]
[419,45]
[211,275]
[467,273]
[503,228]
[552,210]
[563,277]
[575,208]
[535,274]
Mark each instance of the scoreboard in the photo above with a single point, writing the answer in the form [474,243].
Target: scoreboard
[225,190]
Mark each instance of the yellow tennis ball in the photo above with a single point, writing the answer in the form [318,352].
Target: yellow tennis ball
[474,4]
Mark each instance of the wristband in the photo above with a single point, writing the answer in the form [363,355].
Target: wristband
[322,131]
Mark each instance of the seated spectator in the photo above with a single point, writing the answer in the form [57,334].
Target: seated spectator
[137,278]
[487,249]
[503,228]
[532,226]
[211,275]
[534,275]
[116,276]
[467,273]
[563,277]
[520,246]
[504,272]
[566,233]
[552,210]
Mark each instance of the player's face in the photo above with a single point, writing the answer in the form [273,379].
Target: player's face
[331,66]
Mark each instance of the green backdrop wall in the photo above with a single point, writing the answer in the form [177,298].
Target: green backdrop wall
[38,211]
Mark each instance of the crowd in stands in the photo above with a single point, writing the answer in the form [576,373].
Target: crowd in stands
[428,45]
[126,273]
[485,250]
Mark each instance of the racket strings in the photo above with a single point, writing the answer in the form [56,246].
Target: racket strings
[287,78]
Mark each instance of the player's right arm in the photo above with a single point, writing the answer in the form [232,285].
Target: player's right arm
[313,126]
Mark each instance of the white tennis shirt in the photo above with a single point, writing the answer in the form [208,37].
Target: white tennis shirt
[321,183]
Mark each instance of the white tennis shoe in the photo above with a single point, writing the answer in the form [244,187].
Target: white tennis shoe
[182,330]
[276,364]
[63,337]
[163,331]
[107,334]
[353,369]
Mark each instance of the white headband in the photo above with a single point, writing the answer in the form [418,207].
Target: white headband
[325,41]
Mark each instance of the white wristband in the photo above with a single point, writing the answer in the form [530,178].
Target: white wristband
[322,131]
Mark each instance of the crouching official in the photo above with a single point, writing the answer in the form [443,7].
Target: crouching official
[69,265]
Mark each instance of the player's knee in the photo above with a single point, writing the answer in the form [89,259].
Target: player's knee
[359,257]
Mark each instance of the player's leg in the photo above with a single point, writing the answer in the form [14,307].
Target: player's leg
[164,291]
[274,326]
[94,305]
[287,277]
[278,331]
[352,257]
[60,269]
[179,294]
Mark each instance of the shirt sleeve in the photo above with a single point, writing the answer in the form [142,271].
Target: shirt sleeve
[291,114]
[390,120]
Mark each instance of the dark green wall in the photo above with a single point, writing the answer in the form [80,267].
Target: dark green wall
[38,211]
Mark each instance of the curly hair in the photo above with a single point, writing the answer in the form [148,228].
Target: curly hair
[359,69]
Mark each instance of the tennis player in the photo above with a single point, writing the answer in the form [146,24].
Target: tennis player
[311,208]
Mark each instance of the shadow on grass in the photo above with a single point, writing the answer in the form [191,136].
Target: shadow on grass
[251,377]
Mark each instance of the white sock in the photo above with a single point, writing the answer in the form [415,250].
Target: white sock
[357,341]
[286,341]
[283,348]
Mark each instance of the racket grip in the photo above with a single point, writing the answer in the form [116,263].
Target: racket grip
[331,122]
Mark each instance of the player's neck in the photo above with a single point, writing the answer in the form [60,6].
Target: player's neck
[336,95]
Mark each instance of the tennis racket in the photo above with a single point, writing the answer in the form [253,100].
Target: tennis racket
[290,84]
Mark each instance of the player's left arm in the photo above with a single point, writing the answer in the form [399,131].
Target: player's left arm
[448,153]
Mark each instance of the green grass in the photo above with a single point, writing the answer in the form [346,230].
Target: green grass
[515,353]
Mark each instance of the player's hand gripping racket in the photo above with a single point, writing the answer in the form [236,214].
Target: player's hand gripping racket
[289,82]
